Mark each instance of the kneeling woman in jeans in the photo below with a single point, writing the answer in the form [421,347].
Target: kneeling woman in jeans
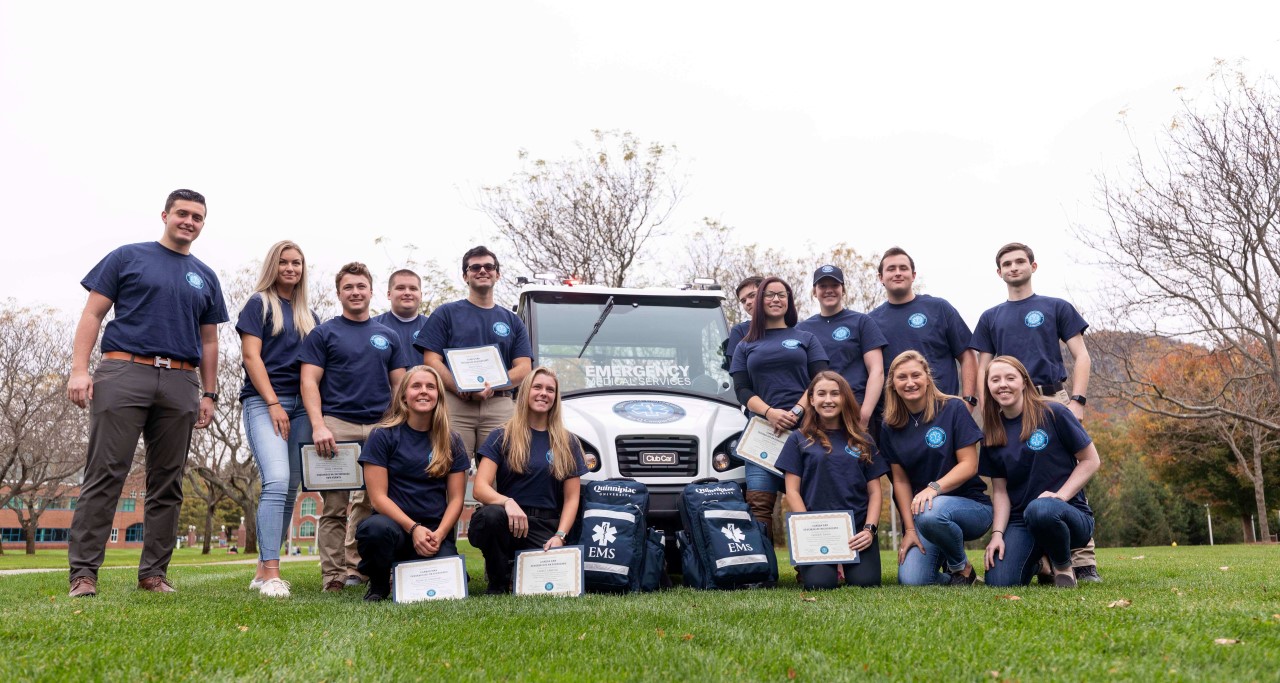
[931,444]
[1039,459]
[415,474]
[831,464]
[528,479]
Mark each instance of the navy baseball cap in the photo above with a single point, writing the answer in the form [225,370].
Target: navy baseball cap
[830,271]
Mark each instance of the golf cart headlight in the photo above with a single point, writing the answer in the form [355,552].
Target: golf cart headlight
[720,461]
[591,456]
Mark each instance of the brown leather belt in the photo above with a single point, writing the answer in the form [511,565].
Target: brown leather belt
[154,361]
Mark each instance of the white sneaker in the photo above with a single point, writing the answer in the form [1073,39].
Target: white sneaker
[256,584]
[275,588]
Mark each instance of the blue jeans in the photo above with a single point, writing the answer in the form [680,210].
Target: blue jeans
[280,466]
[760,479]
[1048,527]
[942,531]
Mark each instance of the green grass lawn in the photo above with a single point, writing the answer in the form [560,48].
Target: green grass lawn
[125,557]
[216,629]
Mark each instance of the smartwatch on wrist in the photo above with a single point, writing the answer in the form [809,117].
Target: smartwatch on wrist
[872,528]
[798,411]
[937,488]
[1080,398]
[210,395]
[971,400]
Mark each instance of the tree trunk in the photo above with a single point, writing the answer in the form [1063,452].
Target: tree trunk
[1260,498]
[1247,525]
[208,530]
[31,524]
[250,533]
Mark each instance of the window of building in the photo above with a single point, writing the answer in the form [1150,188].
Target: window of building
[307,529]
[52,535]
[11,534]
[128,504]
[308,507]
[71,502]
[133,534]
[115,535]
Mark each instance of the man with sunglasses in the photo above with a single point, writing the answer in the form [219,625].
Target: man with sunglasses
[477,321]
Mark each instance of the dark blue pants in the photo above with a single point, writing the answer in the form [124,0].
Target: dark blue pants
[383,543]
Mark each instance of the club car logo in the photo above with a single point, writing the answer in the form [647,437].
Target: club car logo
[649,412]
[791,343]
[379,342]
[1039,439]
[195,280]
[501,329]
[841,333]
[918,320]
[935,437]
[1034,319]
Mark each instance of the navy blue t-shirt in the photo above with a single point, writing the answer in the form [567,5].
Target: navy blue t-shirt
[931,326]
[835,480]
[1030,330]
[537,487]
[279,352]
[406,453]
[462,324]
[161,298]
[1041,463]
[928,451]
[356,357]
[736,333]
[846,336]
[407,333]
[778,364]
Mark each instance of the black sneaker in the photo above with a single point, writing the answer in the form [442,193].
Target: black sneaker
[1087,574]
[1064,580]
[959,578]
[376,593]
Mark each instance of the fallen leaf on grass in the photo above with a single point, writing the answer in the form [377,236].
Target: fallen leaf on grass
[447,665]
[1120,603]
[1139,557]
[1273,616]
[80,610]
[1010,597]
[994,674]
[243,628]
[791,673]
[350,663]
[1226,641]
[583,636]
[1224,568]
[809,599]
[662,634]
[687,636]
[1177,592]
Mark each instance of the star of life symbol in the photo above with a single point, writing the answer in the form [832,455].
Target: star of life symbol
[605,533]
[733,533]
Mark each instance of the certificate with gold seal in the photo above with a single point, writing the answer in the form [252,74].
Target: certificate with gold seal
[558,571]
[338,472]
[475,366]
[759,445]
[443,578]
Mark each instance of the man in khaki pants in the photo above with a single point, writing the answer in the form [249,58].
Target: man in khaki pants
[1031,328]
[350,366]
[477,321]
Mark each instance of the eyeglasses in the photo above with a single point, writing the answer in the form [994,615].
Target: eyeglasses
[774,295]
[486,267]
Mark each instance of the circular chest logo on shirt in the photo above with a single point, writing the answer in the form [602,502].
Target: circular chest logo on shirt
[917,320]
[501,329]
[935,437]
[415,334]
[852,451]
[790,343]
[195,280]
[649,412]
[548,456]
[379,342]
[841,333]
[1034,319]
[1039,439]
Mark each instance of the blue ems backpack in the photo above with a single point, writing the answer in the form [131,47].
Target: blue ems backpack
[722,546]
[622,552]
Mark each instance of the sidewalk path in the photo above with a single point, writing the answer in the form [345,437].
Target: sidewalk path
[291,558]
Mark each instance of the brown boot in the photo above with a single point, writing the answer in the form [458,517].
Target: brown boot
[761,504]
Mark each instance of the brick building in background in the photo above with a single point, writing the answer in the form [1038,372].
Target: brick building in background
[55,522]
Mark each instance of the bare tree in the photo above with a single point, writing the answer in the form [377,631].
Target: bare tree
[589,216]
[42,435]
[1192,237]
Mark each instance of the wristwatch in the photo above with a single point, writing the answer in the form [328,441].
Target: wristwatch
[798,411]
[872,528]
[971,400]
[937,488]
[210,395]
[1079,398]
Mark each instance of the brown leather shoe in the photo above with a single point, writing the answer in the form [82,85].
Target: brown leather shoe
[83,587]
[334,586]
[156,584]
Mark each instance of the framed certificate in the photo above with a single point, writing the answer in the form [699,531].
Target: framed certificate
[820,537]
[758,444]
[472,367]
[549,572]
[443,578]
[341,472]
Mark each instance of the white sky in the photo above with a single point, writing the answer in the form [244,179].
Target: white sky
[941,128]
